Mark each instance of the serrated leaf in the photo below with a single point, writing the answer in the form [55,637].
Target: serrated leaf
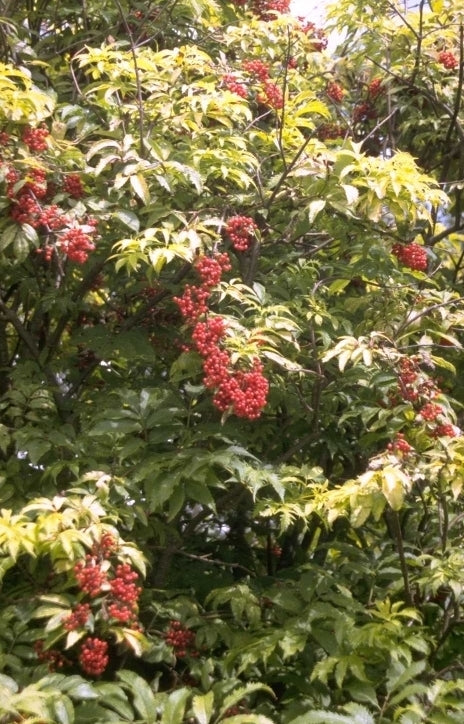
[175,706]
[202,707]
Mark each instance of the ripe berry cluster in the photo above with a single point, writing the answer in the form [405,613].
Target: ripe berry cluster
[415,387]
[266,9]
[375,88]
[78,617]
[73,186]
[93,656]
[445,430]
[30,193]
[36,138]
[335,92]
[181,639]
[240,230]
[76,244]
[243,393]
[400,445]
[257,68]
[90,576]
[448,60]
[233,85]
[411,255]
[271,96]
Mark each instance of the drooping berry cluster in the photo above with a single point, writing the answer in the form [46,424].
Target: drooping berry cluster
[448,60]
[93,656]
[420,390]
[244,393]
[240,230]
[335,92]
[411,255]
[181,639]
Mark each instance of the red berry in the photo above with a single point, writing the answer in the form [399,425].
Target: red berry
[36,138]
[72,184]
[256,68]
[93,656]
[448,60]
[240,230]
[335,92]
[411,255]
[234,86]
[90,576]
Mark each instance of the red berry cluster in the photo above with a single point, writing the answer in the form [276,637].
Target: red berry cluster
[243,393]
[330,131]
[276,551]
[4,138]
[271,96]
[375,88]
[411,255]
[431,411]
[257,68]
[319,38]
[400,445]
[93,656]
[27,195]
[240,230]
[76,244]
[210,269]
[446,430]
[90,576]
[420,390]
[52,657]
[78,617]
[233,85]
[181,639]
[266,9]
[73,186]
[125,591]
[335,92]
[36,138]
[363,112]
[448,60]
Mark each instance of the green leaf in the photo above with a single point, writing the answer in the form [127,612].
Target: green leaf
[140,187]
[143,696]
[175,706]
[202,707]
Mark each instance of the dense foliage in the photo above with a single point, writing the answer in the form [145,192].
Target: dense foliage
[231,320]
